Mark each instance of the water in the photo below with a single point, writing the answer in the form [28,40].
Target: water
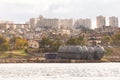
[81,71]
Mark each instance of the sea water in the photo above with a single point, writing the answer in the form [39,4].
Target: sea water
[57,71]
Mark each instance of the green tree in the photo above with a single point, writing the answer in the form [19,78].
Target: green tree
[56,44]
[106,40]
[81,40]
[45,42]
[76,41]
[72,41]
[4,47]
[116,39]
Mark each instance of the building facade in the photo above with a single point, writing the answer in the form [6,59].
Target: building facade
[44,22]
[86,23]
[51,23]
[101,21]
[66,23]
[113,21]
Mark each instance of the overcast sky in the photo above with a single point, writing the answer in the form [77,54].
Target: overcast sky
[21,11]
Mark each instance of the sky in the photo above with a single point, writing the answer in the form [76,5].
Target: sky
[20,11]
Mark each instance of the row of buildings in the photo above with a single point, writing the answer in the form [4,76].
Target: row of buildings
[49,23]
[101,21]
[72,23]
[43,22]
[59,23]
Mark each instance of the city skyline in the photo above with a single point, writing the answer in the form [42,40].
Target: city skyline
[21,11]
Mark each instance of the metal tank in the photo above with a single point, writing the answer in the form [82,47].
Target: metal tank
[80,52]
[70,52]
[99,52]
[84,52]
[62,49]
[91,52]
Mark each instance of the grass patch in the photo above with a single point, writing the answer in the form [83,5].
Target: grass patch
[112,51]
[4,55]
[14,54]
[108,51]
[20,52]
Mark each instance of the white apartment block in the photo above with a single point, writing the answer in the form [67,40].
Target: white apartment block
[86,23]
[101,21]
[113,21]
[43,22]
[51,23]
[66,23]
[54,23]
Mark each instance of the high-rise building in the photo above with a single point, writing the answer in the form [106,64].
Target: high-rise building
[101,21]
[43,22]
[86,23]
[51,23]
[113,21]
[66,23]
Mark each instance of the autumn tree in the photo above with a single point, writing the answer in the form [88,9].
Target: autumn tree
[19,43]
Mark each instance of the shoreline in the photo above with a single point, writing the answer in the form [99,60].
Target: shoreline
[39,60]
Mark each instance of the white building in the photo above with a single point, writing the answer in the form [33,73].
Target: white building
[66,23]
[101,21]
[86,23]
[53,22]
[44,22]
[113,21]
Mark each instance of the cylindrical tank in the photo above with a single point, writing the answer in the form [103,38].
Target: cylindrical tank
[70,52]
[84,52]
[80,52]
[62,49]
[99,52]
[90,55]
[79,49]
[74,49]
